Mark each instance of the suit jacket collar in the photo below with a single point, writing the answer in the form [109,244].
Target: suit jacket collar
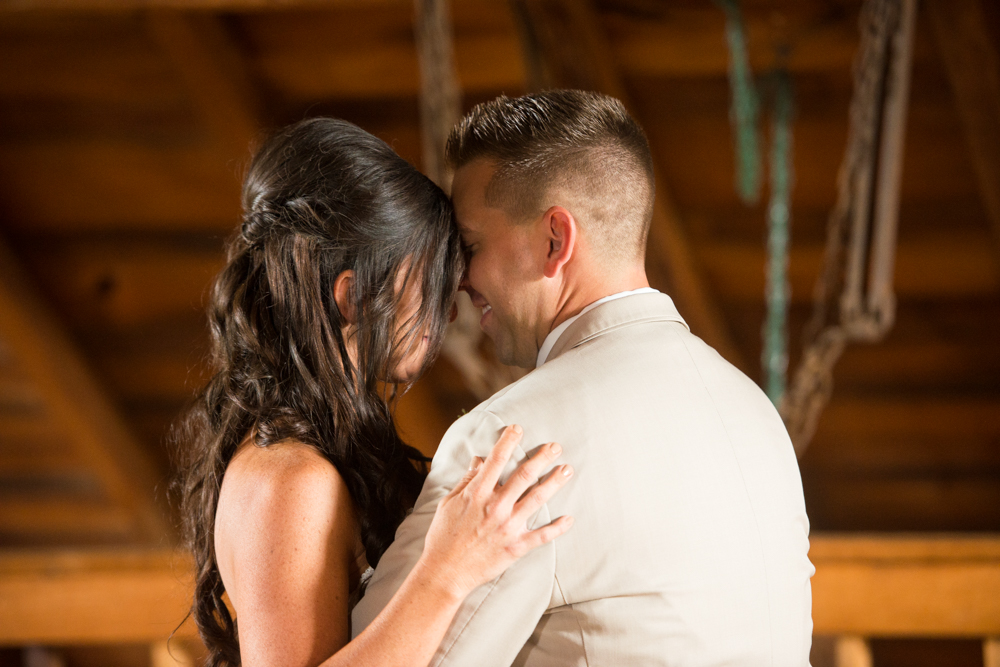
[615,314]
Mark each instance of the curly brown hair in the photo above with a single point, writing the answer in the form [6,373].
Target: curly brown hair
[321,197]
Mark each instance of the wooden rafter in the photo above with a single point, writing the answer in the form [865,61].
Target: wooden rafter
[75,404]
[78,597]
[973,66]
[212,68]
[565,46]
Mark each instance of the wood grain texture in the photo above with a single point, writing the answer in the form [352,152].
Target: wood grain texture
[970,57]
[94,597]
[124,474]
[906,586]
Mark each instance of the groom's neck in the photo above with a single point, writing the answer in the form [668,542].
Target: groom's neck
[585,287]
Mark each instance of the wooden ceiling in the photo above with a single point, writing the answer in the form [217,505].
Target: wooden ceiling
[125,126]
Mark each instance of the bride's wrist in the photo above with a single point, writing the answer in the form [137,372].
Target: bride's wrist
[439,582]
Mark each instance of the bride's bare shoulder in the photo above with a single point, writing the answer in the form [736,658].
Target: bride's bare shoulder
[280,468]
[286,491]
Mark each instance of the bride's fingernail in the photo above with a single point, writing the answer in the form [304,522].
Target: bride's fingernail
[556,449]
[568,471]
[517,429]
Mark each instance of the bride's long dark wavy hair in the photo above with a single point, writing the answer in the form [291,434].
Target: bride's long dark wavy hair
[321,197]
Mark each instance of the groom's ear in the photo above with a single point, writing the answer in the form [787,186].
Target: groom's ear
[561,229]
[343,294]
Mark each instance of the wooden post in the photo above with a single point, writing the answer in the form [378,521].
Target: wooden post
[167,654]
[973,66]
[991,652]
[852,651]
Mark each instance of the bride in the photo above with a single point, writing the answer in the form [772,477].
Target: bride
[338,288]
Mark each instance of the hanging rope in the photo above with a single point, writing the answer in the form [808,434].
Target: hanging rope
[861,233]
[440,110]
[440,105]
[775,348]
[745,106]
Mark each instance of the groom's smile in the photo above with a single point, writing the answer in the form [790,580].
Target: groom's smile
[502,267]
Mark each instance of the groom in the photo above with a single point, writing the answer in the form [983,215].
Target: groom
[690,535]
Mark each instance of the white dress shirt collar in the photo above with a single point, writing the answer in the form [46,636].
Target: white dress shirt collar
[550,340]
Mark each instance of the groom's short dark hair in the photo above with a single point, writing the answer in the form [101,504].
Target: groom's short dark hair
[577,142]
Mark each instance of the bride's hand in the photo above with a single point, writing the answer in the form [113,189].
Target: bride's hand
[480,528]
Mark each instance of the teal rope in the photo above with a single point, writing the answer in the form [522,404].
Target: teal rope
[745,107]
[775,352]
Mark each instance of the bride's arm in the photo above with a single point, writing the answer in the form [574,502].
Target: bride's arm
[290,587]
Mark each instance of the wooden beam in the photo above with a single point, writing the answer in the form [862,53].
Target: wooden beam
[906,586]
[59,518]
[918,417]
[923,365]
[112,186]
[212,67]
[126,282]
[973,66]
[486,62]
[865,585]
[199,5]
[574,52]
[78,404]
[948,264]
[689,40]
[880,500]
[95,597]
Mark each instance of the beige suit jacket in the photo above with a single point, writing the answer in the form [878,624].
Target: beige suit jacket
[690,539]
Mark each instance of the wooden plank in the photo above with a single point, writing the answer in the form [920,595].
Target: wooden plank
[213,70]
[901,501]
[15,426]
[867,585]
[77,403]
[81,58]
[928,365]
[486,63]
[875,548]
[944,418]
[117,186]
[973,66]
[93,597]
[157,377]
[195,5]
[18,394]
[697,152]
[122,282]
[949,265]
[880,455]
[906,586]
[690,41]
[64,519]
